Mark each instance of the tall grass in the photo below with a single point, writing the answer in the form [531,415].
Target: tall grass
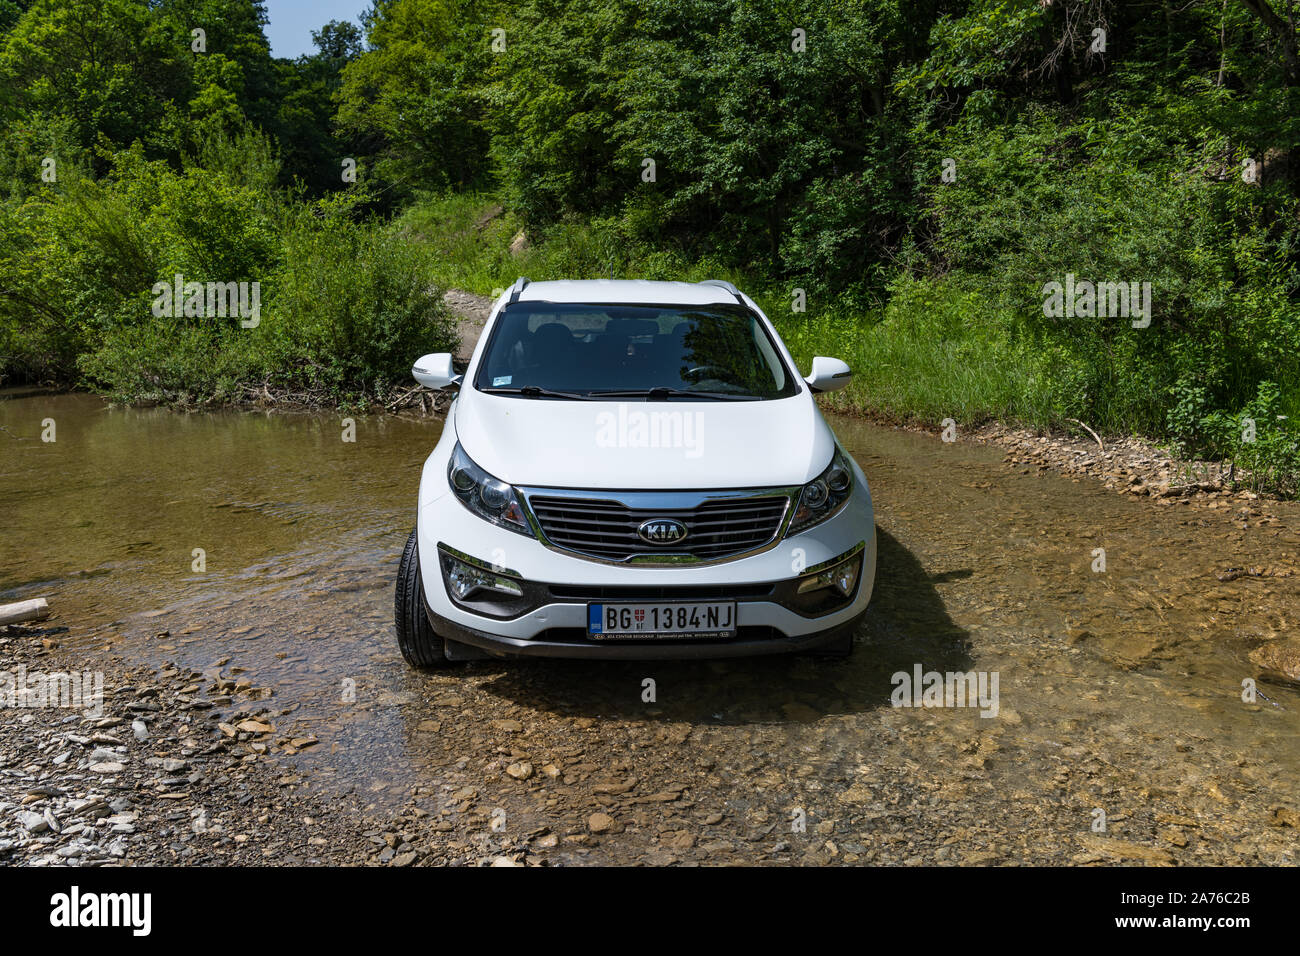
[932,353]
[469,237]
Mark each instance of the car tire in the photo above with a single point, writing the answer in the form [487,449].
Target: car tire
[419,644]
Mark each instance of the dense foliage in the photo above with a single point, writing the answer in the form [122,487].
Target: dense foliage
[132,157]
[923,170]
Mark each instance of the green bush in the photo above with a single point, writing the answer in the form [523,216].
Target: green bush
[937,351]
[1260,441]
[352,305]
[345,304]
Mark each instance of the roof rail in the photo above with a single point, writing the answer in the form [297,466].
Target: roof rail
[722,284]
[517,288]
[727,286]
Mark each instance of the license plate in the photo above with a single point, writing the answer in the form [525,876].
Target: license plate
[707,620]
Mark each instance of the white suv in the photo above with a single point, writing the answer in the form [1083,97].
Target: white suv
[634,470]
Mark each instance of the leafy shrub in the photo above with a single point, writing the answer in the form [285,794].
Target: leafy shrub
[353,304]
[346,305]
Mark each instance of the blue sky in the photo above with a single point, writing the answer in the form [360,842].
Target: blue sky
[293,20]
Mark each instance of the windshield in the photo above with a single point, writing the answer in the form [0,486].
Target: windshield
[567,350]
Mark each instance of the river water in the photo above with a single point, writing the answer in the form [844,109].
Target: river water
[1120,691]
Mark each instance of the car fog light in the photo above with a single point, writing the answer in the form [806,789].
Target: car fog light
[846,575]
[465,579]
[842,577]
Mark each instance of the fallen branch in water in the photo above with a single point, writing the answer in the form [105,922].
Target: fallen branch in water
[36,610]
[401,401]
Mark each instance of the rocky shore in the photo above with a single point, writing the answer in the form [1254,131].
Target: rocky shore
[172,768]
[182,768]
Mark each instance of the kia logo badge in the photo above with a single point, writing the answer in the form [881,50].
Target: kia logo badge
[661,531]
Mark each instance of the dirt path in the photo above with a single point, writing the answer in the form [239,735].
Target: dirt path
[472,313]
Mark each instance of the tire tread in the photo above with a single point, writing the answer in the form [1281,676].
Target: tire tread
[420,645]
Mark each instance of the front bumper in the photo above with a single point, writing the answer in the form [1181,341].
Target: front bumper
[555,625]
[750,642]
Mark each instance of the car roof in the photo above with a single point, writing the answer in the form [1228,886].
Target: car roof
[639,291]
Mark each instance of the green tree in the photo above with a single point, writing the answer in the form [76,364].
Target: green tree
[410,103]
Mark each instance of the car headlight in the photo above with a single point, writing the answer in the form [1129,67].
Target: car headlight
[489,498]
[829,586]
[825,495]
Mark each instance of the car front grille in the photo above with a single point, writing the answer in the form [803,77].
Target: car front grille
[678,592]
[605,528]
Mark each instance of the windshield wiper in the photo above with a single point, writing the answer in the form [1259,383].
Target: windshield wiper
[536,391]
[663,391]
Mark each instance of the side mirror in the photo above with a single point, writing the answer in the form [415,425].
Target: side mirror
[435,371]
[828,375]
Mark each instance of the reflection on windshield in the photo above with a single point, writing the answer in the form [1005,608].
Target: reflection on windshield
[561,347]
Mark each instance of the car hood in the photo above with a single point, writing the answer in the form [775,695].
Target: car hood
[637,445]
